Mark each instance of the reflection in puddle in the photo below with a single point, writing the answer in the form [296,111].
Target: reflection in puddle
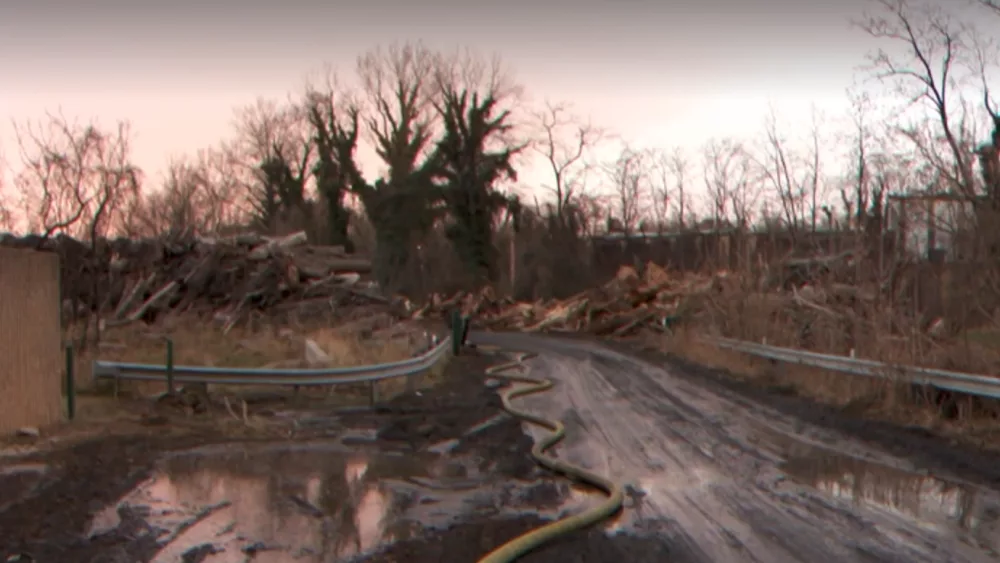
[929,502]
[307,504]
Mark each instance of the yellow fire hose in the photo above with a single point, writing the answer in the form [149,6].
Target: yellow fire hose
[521,545]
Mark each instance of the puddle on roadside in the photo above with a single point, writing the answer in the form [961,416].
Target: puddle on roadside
[929,502]
[885,486]
[302,502]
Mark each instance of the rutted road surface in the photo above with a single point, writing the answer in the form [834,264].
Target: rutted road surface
[719,478]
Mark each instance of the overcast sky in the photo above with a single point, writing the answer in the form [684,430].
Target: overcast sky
[659,73]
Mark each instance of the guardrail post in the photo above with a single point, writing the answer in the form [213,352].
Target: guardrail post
[170,366]
[117,386]
[374,393]
[70,383]
[465,329]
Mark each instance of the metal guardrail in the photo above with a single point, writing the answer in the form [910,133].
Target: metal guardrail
[971,384]
[262,376]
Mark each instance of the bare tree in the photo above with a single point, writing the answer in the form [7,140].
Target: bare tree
[729,181]
[199,195]
[678,166]
[814,169]
[936,48]
[855,200]
[593,210]
[777,167]
[399,85]
[565,143]
[274,146]
[992,5]
[661,188]
[629,178]
[74,180]
[74,177]
[467,69]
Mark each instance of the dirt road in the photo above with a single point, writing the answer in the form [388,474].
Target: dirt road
[443,475]
[716,477]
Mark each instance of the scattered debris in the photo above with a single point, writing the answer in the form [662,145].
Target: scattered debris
[315,355]
[806,292]
[620,307]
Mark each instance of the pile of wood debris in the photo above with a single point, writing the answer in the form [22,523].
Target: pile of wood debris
[129,280]
[624,305]
[802,293]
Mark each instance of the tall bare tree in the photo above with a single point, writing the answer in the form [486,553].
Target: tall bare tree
[200,194]
[679,165]
[74,180]
[74,177]
[777,166]
[855,197]
[274,144]
[728,176]
[628,177]
[660,188]
[935,49]
[669,174]
[816,188]
[566,143]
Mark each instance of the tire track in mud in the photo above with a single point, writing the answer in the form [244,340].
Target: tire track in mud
[710,470]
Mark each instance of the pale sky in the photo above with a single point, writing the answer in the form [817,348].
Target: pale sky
[658,73]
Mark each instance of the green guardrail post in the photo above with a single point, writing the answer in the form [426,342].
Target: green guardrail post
[456,332]
[465,329]
[70,383]
[170,365]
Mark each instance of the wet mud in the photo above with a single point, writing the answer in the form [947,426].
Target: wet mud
[716,476]
[307,502]
[344,486]
[711,473]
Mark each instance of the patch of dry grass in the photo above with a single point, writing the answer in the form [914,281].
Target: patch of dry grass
[201,342]
[389,388]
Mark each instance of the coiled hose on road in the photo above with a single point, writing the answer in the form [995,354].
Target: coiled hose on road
[521,545]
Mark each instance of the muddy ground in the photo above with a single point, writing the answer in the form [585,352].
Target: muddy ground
[67,504]
[933,451]
[435,475]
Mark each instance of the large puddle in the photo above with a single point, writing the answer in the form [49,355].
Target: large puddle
[307,502]
[943,506]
